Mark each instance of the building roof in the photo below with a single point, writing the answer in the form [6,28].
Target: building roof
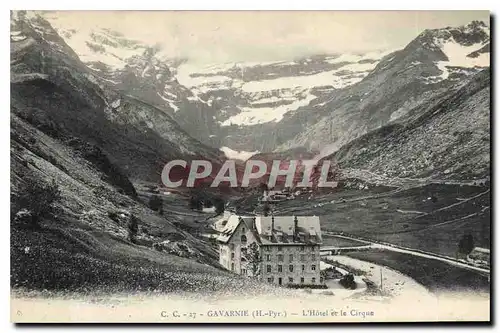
[481,249]
[307,230]
[276,230]
[232,223]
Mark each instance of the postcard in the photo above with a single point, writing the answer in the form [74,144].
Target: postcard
[250,166]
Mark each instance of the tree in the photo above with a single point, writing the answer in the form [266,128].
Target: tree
[266,209]
[466,244]
[195,203]
[156,203]
[133,228]
[219,205]
[37,197]
[347,281]
[253,258]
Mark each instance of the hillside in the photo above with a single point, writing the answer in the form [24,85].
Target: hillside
[319,102]
[433,63]
[51,84]
[88,140]
[449,139]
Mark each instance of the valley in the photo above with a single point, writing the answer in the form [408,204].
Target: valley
[98,115]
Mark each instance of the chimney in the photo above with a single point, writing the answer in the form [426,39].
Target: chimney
[295,227]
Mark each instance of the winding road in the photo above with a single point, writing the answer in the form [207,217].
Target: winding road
[415,252]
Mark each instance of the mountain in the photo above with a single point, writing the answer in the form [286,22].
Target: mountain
[140,70]
[215,103]
[52,87]
[448,139]
[75,143]
[434,62]
[317,102]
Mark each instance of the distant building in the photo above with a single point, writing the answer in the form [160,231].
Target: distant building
[276,196]
[283,250]
[479,256]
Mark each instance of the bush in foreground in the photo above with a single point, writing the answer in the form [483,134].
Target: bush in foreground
[36,200]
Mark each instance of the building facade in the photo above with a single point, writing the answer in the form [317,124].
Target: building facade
[284,250]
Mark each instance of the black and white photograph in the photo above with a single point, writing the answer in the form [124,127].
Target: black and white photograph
[250,166]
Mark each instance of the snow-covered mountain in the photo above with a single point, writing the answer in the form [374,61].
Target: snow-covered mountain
[319,102]
[433,63]
[54,91]
[449,139]
[265,92]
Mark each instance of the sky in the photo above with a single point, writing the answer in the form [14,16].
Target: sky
[227,36]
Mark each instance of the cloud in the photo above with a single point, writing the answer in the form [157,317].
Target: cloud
[224,36]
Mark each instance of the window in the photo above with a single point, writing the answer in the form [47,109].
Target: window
[280,248]
[290,268]
[313,267]
[280,257]
[320,279]
[243,239]
[244,271]
[270,279]
[301,280]
[313,256]
[290,279]
[290,257]
[268,257]
[268,268]
[232,255]
[302,257]
[303,268]
[267,248]
[313,280]
[302,248]
[231,246]
[232,266]
[243,230]
[280,268]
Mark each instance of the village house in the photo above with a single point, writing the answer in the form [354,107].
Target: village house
[283,250]
[479,256]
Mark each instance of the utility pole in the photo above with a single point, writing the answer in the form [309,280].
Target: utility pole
[381,280]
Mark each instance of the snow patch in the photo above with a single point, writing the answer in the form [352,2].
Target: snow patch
[237,155]
[116,103]
[457,57]
[354,58]
[169,102]
[255,115]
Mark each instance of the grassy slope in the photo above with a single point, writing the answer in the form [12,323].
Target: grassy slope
[84,260]
[405,217]
[83,248]
[450,140]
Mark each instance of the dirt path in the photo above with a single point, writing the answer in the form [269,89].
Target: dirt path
[388,280]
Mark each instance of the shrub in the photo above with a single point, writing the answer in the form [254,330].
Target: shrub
[466,244]
[266,209]
[306,287]
[208,203]
[219,206]
[133,228]
[38,198]
[195,203]
[156,203]
[348,282]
